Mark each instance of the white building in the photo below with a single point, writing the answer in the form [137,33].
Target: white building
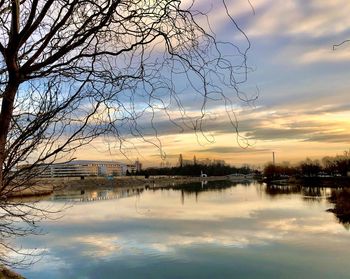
[83,168]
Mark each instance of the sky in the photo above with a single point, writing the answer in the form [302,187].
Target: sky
[303,107]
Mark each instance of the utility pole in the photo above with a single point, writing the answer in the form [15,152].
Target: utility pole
[180,161]
[273,158]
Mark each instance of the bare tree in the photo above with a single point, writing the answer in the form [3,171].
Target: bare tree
[72,70]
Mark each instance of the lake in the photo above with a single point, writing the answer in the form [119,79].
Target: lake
[216,230]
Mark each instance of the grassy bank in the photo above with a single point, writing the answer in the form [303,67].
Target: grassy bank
[37,190]
[5,273]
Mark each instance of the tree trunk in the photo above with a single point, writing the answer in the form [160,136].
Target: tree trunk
[5,121]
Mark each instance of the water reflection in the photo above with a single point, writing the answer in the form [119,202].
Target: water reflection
[204,186]
[190,189]
[341,200]
[276,190]
[92,195]
[214,230]
[308,193]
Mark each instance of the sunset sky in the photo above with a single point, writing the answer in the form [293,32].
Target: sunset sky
[303,108]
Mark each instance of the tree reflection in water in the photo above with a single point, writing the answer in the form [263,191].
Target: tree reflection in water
[275,190]
[205,186]
[195,188]
[341,200]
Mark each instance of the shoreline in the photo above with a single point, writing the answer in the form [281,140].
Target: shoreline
[330,182]
[46,187]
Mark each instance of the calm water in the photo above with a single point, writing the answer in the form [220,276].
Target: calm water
[215,231]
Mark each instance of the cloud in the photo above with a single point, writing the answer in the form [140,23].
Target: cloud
[298,32]
[263,124]
[324,55]
[330,137]
[306,135]
[230,149]
[277,133]
[168,156]
[331,108]
[303,83]
[298,17]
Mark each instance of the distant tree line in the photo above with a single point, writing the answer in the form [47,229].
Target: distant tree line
[197,169]
[327,166]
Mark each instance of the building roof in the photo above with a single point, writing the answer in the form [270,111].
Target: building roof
[84,162]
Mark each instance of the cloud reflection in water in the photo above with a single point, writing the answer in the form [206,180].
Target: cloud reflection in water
[156,227]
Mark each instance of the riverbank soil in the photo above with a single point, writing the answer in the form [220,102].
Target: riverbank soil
[8,274]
